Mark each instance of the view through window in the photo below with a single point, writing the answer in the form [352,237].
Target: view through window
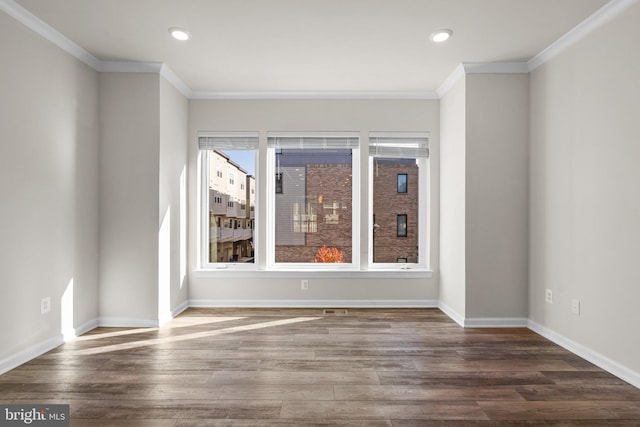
[313,218]
[312,205]
[397,180]
[229,165]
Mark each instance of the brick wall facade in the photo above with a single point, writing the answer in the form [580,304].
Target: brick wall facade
[328,191]
[387,205]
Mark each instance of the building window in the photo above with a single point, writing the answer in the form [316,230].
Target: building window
[402,183]
[227,235]
[312,223]
[401,229]
[398,173]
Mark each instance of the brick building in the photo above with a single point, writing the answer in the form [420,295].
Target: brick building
[395,210]
[314,206]
[313,203]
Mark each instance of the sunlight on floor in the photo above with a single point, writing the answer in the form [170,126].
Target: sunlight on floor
[182,322]
[204,334]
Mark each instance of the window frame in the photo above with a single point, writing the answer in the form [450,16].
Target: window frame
[424,215]
[203,205]
[271,264]
[262,222]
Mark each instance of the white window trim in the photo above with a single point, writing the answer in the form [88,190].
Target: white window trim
[264,265]
[424,215]
[203,210]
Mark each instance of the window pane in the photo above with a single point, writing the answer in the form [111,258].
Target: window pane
[402,183]
[402,226]
[231,188]
[313,215]
[395,213]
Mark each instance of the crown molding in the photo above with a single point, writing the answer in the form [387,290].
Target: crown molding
[603,15]
[176,81]
[257,95]
[495,67]
[130,67]
[465,68]
[40,27]
[450,81]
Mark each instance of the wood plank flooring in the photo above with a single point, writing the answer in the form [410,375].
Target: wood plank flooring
[300,367]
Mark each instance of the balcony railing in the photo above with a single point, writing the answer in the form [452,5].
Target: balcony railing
[229,234]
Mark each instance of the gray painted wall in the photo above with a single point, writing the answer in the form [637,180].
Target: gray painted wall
[313,115]
[497,187]
[142,174]
[129,193]
[49,187]
[585,201]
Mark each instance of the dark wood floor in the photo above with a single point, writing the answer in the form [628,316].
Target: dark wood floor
[304,368]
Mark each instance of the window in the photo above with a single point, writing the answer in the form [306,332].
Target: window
[401,228]
[397,187]
[402,183]
[228,233]
[311,211]
[312,222]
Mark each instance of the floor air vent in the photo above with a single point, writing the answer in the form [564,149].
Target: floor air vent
[335,311]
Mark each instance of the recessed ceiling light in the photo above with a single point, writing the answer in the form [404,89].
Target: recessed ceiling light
[179,34]
[441,35]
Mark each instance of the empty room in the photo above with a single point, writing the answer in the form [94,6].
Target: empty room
[360,213]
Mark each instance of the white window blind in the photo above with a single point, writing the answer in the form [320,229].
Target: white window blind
[324,140]
[228,140]
[410,145]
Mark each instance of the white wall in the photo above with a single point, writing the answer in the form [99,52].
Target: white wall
[172,261]
[585,200]
[452,201]
[49,187]
[497,184]
[129,198]
[313,115]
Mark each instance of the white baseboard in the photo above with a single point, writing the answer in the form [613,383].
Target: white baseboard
[483,322]
[79,330]
[314,303]
[495,322]
[127,322]
[454,315]
[29,353]
[180,308]
[596,358]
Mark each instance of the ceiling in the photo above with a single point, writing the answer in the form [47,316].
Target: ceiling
[313,45]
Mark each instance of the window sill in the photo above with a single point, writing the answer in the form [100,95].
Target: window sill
[310,273]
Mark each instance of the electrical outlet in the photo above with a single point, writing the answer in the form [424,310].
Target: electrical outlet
[549,296]
[304,285]
[45,305]
[575,306]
